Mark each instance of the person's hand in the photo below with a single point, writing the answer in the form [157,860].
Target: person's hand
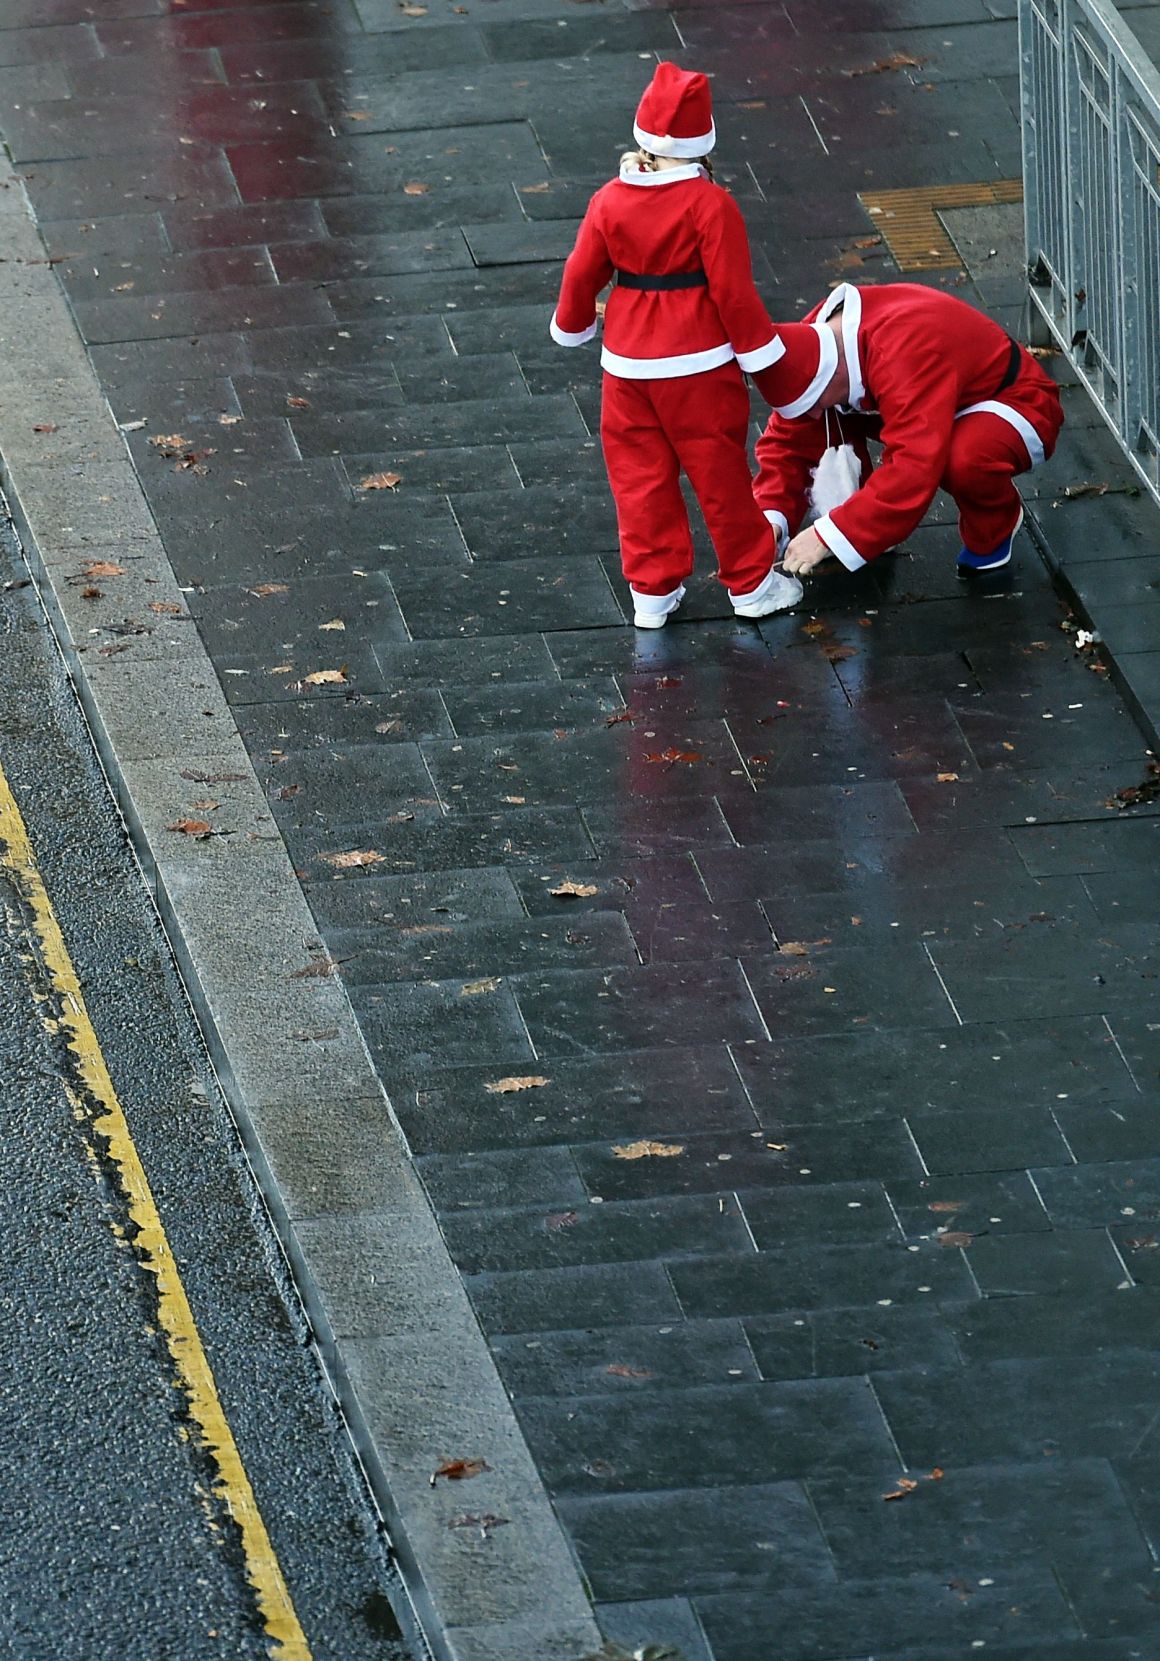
[805,551]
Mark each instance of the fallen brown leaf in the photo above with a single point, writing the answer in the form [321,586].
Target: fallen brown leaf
[880,66]
[297,403]
[326,677]
[91,593]
[381,481]
[619,1370]
[569,890]
[473,988]
[317,970]
[165,608]
[199,829]
[621,715]
[458,1470]
[102,568]
[671,756]
[212,778]
[955,1237]
[794,948]
[170,444]
[415,188]
[353,858]
[228,420]
[946,778]
[508,1086]
[906,1485]
[557,1220]
[408,9]
[535,190]
[647,1150]
[946,1205]
[336,623]
[263,590]
[46,427]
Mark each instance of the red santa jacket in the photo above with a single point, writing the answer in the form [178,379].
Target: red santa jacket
[664,224]
[917,359]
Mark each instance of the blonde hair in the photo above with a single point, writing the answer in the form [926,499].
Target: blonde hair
[647,162]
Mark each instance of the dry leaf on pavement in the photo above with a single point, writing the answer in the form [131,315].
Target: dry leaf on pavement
[955,1237]
[647,1150]
[46,427]
[415,188]
[473,988]
[165,608]
[199,829]
[102,568]
[353,858]
[326,677]
[458,1470]
[507,1086]
[297,403]
[381,481]
[906,1485]
[263,590]
[318,970]
[569,890]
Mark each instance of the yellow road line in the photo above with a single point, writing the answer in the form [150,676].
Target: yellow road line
[96,1098]
[911,228]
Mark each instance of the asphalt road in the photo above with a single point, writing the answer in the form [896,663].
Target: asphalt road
[121,1535]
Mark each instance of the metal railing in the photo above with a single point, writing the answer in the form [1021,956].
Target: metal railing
[1091,179]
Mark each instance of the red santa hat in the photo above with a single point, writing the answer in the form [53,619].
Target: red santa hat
[803,370]
[675,115]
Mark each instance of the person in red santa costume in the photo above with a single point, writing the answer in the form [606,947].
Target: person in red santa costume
[952,398]
[682,322]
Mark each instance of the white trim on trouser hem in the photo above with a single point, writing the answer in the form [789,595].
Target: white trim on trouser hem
[839,545]
[658,605]
[1014,418]
[767,583]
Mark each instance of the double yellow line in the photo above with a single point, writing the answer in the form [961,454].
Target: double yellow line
[94,1099]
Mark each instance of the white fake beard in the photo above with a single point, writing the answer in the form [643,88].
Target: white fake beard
[835,479]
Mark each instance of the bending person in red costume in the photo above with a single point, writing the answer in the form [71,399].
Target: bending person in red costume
[682,322]
[952,398]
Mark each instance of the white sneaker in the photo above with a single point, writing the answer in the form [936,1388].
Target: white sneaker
[776,593]
[652,611]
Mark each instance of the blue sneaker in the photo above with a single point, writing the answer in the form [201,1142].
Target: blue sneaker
[972,565]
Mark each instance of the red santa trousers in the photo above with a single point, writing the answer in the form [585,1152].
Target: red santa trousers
[650,430]
[986,454]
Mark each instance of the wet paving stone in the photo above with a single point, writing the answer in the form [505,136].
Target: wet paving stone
[512,597]
[625,1360]
[1001,1202]
[656,1440]
[636,1545]
[668,1229]
[837,1343]
[892,1612]
[434,950]
[868,1075]
[636,1096]
[589,1296]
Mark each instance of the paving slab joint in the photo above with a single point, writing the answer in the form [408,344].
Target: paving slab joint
[411,1371]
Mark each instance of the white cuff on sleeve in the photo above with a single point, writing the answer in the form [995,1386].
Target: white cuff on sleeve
[563,338]
[838,544]
[780,528]
[762,357]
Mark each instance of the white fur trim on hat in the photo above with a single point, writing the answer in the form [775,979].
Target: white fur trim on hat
[658,145]
[827,363]
[631,174]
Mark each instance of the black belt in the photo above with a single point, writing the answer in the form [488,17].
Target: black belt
[672,279]
[1014,365]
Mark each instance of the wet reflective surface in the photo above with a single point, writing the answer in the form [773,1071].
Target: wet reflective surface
[816,938]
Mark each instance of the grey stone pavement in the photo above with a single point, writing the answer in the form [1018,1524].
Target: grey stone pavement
[769,1013]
